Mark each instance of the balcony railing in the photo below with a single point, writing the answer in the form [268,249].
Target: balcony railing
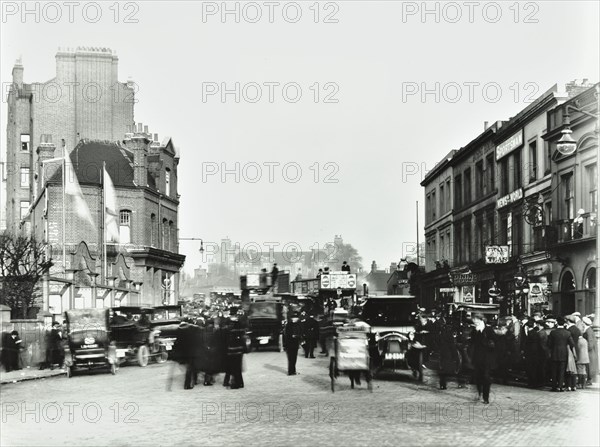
[582,227]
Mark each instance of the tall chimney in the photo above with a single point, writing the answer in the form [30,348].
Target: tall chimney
[373,266]
[45,151]
[17,73]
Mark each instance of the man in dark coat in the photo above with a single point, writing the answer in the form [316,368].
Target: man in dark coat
[11,347]
[530,352]
[291,339]
[188,351]
[345,267]
[55,346]
[542,353]
[482,342]
[310,334]
[448,353]
[559,341]
[235,352]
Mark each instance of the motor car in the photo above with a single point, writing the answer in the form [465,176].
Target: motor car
[89,345]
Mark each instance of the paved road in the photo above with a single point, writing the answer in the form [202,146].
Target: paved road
[134,408]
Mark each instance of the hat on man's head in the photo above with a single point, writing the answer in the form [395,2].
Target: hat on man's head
[586,321]
[576,314]
[570,318]
[479,316]
[560,321]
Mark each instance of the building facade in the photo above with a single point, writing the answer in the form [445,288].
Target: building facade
[573,245]
[143,266]
[514,193]
[84,100]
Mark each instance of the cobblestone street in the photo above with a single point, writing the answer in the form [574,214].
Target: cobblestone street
[135,408]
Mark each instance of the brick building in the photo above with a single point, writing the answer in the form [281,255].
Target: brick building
[512,189]
[143,268]
[572,221]
[84,100]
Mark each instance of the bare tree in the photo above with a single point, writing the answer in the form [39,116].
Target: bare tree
[23,261]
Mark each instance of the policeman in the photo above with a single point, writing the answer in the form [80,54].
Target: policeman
[291,338]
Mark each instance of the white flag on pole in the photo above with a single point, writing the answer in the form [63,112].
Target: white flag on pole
[111,213]
[73,190]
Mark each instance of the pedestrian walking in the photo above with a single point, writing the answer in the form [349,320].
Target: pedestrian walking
[559,342]
[291,339]
[542,354]
[448,353]
[482,342]
[235,353]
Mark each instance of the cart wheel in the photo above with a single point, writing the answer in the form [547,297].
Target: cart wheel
[142,355]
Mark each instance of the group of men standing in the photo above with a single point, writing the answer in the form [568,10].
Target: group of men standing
[211,348]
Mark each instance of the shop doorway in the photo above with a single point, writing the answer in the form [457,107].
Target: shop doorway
[567,294]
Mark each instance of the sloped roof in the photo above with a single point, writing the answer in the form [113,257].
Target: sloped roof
[88,158]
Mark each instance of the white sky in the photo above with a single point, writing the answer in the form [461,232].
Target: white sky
[371,133]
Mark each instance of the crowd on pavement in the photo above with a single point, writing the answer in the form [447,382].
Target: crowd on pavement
[559,353]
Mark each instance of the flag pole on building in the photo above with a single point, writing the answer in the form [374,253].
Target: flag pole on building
[64,211]
[104,250]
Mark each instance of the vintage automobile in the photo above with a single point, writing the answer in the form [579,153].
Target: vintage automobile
[165,321]
[265,324]
[392,320]
[459,316]
[134,336]
[89,345]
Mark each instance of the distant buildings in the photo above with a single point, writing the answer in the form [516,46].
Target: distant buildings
[510,190]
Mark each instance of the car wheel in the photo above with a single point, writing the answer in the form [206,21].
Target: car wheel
[142,355]
[162,356]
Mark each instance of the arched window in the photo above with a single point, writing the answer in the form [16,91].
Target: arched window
[125,226]
[589,284]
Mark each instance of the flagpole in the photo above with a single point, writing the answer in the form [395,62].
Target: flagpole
[64,212]
[103,223]
[418,260]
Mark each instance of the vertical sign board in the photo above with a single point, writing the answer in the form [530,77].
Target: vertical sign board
[509,233]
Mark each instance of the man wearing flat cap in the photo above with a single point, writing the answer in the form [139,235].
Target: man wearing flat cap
[482,341]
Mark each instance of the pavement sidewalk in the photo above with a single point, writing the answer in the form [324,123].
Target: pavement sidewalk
[29,373]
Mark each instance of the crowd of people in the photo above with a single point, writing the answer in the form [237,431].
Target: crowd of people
[560,353]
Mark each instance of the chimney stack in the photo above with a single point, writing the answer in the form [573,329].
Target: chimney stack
[485,125]
[373,266]
[17,73]
[45,151]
